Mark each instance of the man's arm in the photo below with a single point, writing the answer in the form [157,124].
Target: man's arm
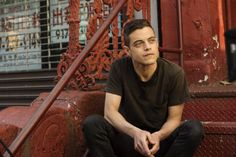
[111,114]
[173,121]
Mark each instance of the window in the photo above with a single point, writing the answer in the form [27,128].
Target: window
[33,34]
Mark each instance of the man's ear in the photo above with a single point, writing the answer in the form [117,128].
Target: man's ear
[127,50]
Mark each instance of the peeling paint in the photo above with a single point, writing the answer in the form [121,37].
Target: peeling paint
[214,63]
[203,38]
[205,54]
[215,38]
[204,80]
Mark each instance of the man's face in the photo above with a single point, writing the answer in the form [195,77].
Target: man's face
[143,47]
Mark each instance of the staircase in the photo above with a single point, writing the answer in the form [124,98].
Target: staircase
[22,88]
[215,106]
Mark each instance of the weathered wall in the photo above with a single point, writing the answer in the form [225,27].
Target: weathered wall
[203,38]
[233,6]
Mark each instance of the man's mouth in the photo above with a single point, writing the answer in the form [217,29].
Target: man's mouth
[148,54]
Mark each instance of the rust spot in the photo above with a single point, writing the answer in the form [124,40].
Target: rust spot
[198,24]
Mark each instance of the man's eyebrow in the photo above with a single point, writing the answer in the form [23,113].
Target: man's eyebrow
[152,37]
[137,41]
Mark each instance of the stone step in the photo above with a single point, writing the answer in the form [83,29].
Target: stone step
[23,88]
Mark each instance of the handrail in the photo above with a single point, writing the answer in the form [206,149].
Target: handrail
[170,50]
[62,82]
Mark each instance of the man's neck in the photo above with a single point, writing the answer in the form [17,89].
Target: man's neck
[145,72]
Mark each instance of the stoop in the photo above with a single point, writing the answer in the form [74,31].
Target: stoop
[215,107]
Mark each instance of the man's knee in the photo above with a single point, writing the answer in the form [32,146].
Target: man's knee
[92,123]
[195,130]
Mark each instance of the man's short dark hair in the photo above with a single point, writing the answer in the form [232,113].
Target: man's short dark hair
[133,25]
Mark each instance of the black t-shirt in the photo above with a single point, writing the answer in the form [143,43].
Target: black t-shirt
[145,104]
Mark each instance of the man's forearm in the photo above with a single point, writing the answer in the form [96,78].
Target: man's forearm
[119,122]
[167,129]
[173,121]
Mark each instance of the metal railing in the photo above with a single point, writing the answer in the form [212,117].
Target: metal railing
[61,84]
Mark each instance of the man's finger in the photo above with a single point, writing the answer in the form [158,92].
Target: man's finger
[146,148]
[154,148]
[150,139]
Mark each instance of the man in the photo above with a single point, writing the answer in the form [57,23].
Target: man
[144,102]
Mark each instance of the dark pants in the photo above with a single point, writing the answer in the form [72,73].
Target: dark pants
[105,141]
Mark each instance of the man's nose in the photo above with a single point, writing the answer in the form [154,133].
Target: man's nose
[147,46]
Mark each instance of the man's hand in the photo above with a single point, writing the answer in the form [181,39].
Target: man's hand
[154,143]
[141,142]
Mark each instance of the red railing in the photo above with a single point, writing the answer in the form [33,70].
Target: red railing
[63,81]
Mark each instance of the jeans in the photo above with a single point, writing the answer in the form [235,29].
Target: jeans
[103,140]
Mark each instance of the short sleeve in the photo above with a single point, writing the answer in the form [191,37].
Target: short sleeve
[178,89]
[114,82]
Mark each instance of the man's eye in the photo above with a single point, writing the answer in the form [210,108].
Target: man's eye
[152,40]
[138,44]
